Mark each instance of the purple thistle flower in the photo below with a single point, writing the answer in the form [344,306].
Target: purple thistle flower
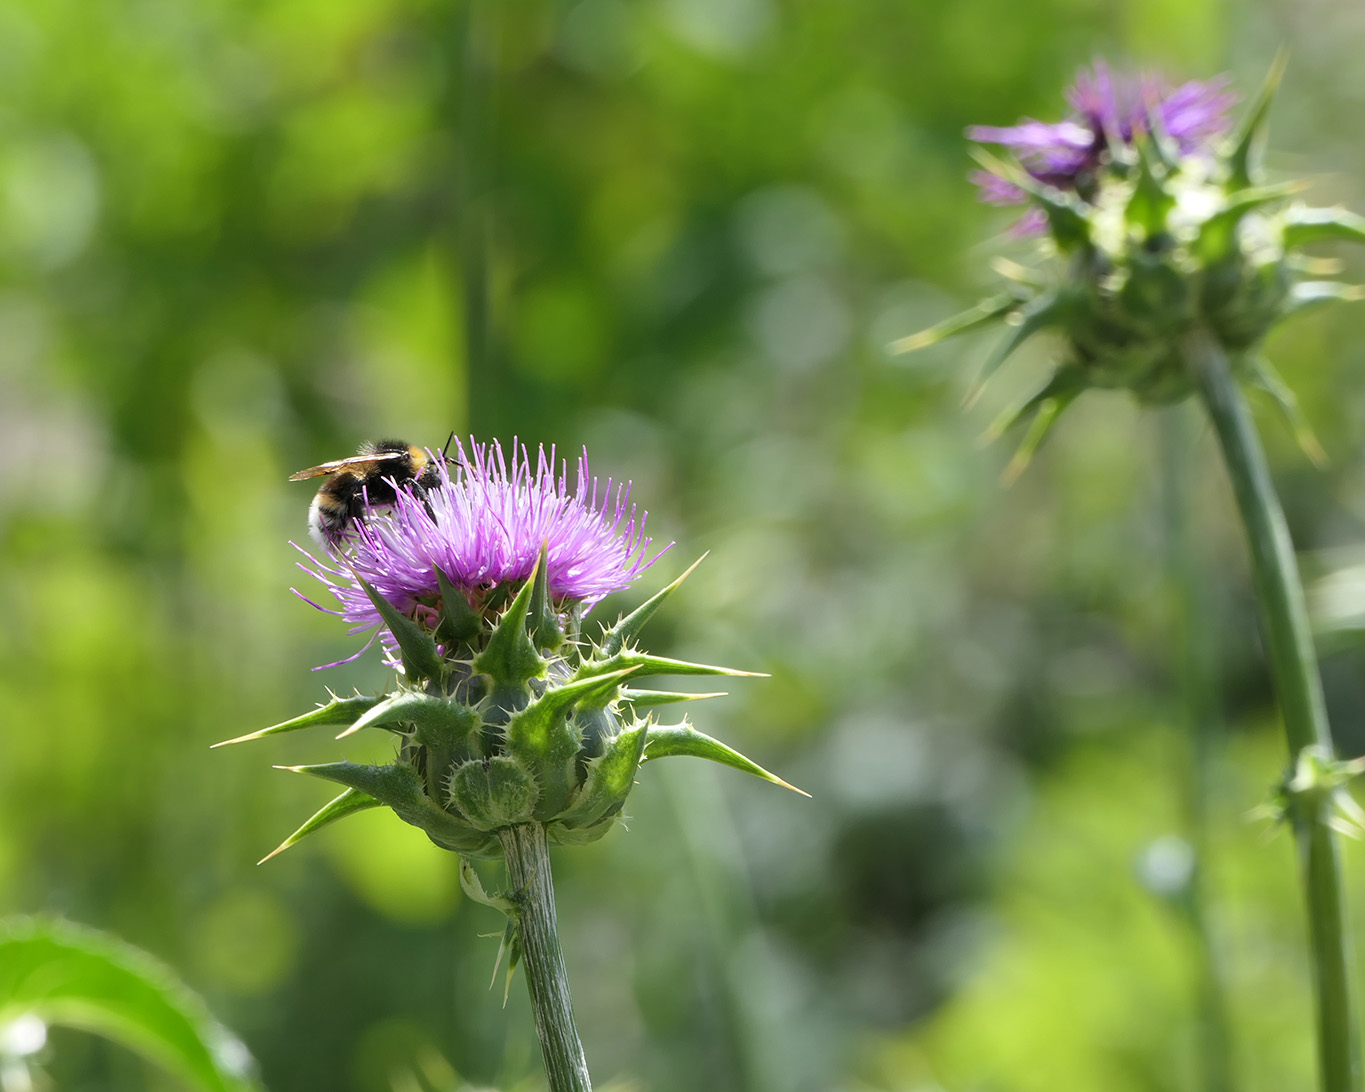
[1108,113]
[484,528]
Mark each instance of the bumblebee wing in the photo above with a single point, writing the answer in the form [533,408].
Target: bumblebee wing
[338,465]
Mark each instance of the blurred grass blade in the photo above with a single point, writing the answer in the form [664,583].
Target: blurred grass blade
[1265,376]
[79,978]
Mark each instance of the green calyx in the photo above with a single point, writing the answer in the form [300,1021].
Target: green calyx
[505,717]
[1160,245]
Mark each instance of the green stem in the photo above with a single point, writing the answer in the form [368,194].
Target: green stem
[528,869]
[1293,665]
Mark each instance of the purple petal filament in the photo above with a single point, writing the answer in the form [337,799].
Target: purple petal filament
[484,525]
[1107,113]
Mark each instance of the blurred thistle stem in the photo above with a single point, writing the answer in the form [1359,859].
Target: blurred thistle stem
[532,890]
[1199,712]
[1293,664]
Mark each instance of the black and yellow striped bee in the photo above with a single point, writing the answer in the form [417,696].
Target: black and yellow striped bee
[368,479]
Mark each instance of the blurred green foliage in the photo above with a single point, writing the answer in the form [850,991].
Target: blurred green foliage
[56,973]
[238,238]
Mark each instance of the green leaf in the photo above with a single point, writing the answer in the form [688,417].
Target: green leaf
[984,313]
[1151,201]
[399,787]
[510,658]
[510,946]
[416,647]
[542,737]
[435,719]
[1065,214]
[1042,411]
[609,780]
[1025,277]
[459,623]
[493,793]
[1302,226]
[337,712]
[1064,383]
[1157,149]
[544,622]
[1048,410]
[349,802]
[629,627]
[1308,295]
[663,741]
[1265,376]
[644,664]
[448,730]
[648,698]
[1243,162]
[1040,314]
[78,978]
[534,721]
[561,835]
[473,888]
[1217,233]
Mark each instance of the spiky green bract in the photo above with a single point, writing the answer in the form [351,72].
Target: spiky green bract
[351,800]
[1162,242]
[417,648]
[683,739]
[1317,785]
[505,717]
[337,712]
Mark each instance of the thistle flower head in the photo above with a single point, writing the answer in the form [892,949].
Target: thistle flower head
[1160,230]
[505,714]
[483,526]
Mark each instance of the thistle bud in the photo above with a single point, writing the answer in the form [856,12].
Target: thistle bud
[503,711]
[1154,222]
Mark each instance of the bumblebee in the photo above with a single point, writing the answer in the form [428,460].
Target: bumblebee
[368,479]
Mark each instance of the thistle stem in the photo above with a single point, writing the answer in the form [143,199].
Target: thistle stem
[1293,665]
[528,869]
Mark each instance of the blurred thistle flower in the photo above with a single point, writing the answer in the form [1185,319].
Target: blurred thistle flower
[505,714]
[1167,261]
[1109,115]
[1159,229]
